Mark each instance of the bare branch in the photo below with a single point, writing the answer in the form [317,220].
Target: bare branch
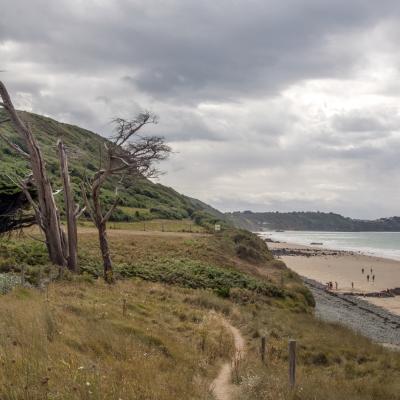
[86,201]
[110,211]
[80,212]
[15,147]
[23,185]
[125,130]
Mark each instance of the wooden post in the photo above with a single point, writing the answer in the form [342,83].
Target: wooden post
[22,275]
[40,278]
[144,226]
[292,363]
[262,349]
[162,227]
[124,307]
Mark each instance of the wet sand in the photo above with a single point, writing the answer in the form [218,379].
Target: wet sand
[324,265]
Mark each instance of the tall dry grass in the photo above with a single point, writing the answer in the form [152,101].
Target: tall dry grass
[78,345]
[333,362]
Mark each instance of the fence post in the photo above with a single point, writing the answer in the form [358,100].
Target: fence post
[124,307]
[22,275]
[40,278]
[144,226]
[262,349]
[292,363]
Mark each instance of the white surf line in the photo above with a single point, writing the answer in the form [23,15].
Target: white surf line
[222,386]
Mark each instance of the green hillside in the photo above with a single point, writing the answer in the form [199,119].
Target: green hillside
[140,200]
[310,221]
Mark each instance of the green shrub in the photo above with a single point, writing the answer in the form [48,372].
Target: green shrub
[195,274]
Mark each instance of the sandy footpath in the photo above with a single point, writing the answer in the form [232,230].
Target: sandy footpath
[344,268]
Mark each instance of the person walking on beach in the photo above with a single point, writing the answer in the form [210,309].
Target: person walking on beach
[362,270]
[371,270]
[352,285]
[373,278]
[336,285]
[368,278]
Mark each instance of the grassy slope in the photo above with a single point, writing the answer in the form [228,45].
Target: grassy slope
[140,200]
[75,343]
[334,363]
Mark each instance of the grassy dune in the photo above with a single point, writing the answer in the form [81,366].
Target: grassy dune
[75,343]
[170,343]
[334,363]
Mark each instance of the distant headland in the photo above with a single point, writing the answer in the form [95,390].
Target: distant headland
[310,221]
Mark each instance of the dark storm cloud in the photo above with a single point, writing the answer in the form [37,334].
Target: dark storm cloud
[228,80]
[198,50]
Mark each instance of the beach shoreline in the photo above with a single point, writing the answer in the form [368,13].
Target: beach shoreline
[375,317]
[345,268]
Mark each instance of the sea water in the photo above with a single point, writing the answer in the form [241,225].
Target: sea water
[381,244]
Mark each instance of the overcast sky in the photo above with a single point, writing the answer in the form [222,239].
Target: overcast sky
[267,104]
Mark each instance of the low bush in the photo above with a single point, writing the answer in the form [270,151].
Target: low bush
[193,274]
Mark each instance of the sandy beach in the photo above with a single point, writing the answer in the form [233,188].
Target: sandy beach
[325,265]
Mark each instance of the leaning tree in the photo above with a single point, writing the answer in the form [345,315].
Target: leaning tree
[44,205]
[127,155]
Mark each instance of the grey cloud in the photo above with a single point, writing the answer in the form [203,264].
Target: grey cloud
[217,74]
[194,50]
[375,121]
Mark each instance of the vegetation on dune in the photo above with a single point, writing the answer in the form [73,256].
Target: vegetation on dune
[189,273]
[75,342]
[334,363]
[208,262]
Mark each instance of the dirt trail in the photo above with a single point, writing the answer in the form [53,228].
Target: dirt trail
[118,232]
[222,386]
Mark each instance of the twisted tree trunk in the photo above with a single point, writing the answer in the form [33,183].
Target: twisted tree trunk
[105,253]
[49,219]
[71,210]
[101,225]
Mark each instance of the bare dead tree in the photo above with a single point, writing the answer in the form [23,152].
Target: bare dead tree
[127,154]
[72,210]
[45,208]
